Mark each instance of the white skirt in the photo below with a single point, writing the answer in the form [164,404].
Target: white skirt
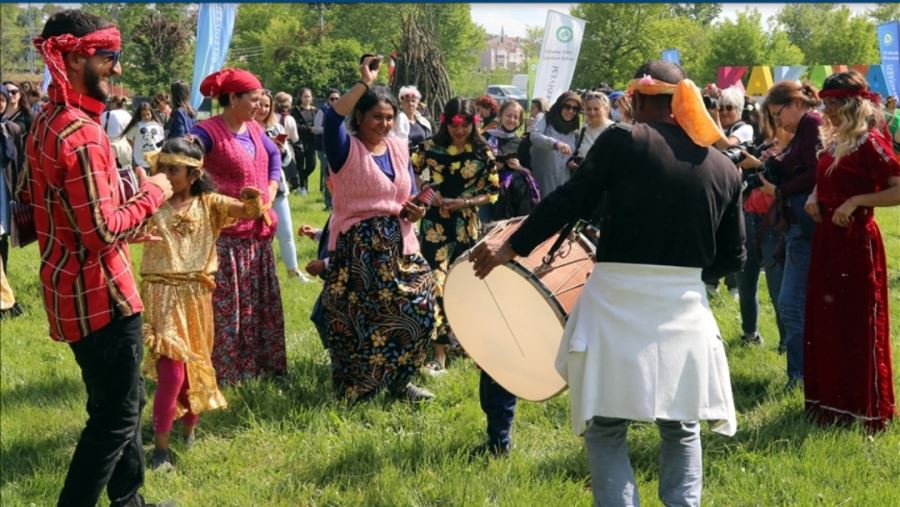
[642,344]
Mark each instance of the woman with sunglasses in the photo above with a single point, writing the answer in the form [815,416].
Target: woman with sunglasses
[792,105]
[17,109]
[553,141]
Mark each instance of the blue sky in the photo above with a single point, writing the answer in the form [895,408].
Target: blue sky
[514,17]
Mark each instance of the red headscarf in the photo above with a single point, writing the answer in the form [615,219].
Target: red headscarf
[229,81]
[843,93]
[53,49]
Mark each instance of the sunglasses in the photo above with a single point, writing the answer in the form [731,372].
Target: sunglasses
[14,91]
[728,108]
[115,55]
[333,99]
[570,107]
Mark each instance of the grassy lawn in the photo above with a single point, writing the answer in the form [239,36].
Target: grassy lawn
[290,443]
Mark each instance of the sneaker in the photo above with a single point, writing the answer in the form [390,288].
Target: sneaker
[414,393]
[752,339]
[12,312]
[188,440]
[494,449]
[162,460]
[434,369]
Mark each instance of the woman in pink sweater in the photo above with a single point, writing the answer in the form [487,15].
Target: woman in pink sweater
[379,293]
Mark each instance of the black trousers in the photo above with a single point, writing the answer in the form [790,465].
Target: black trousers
[306,164]
[109,453]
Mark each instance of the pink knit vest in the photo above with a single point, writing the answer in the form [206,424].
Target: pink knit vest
[232,169]
[363,191]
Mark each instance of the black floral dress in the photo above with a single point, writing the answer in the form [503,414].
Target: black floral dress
[466,173]
[380,309]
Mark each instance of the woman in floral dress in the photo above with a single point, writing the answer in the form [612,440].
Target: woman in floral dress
[459,162]
[378,296]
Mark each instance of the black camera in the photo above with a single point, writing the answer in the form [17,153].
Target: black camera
[710,102]
[735,154]
[771,171]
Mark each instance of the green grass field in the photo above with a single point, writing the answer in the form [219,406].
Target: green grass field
[290,443]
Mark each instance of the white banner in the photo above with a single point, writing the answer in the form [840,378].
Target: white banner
[559,54]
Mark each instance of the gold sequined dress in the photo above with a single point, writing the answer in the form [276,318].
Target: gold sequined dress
[177,280]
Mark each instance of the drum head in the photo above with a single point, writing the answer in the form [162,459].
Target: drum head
[508,326]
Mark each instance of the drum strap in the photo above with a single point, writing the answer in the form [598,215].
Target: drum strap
[558,243]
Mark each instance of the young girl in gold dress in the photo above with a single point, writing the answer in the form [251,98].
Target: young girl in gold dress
[177,280]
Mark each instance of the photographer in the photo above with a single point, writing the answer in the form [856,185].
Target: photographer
[792,106]
[725,108]
[762,237]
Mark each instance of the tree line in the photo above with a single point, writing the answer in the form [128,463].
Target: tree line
[318,45]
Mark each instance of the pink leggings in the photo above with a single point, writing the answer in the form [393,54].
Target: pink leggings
[172,387]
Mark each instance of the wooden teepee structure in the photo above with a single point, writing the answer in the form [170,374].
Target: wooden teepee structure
[420,61]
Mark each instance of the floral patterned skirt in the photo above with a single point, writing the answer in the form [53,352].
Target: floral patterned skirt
[379,305]
[249,320]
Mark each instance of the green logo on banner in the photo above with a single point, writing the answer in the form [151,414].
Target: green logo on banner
[564,34]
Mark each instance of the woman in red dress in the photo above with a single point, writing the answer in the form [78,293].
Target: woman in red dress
[847,350]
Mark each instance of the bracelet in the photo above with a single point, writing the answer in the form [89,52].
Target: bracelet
[364,84]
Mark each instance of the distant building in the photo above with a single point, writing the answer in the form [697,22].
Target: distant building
[503,52]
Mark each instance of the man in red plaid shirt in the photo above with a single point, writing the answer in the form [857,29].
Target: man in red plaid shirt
[82,223]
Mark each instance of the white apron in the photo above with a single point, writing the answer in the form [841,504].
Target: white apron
[642,344]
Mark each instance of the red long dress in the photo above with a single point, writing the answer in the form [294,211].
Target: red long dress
[847,351]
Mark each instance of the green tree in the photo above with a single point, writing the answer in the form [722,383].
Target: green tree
[160,51]
[12,39]
[620,37]
[780,50]
[829,34]
[331,63]
[845,39]
[885,12]
[739,42]
[125,16]
[703,13]
[534,37]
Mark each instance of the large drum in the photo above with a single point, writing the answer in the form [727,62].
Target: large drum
[511,323]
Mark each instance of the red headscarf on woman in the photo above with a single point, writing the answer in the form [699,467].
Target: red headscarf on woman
[229,81]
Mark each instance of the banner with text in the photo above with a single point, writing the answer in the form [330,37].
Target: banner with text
[559,54]
[214,29]
[889,44]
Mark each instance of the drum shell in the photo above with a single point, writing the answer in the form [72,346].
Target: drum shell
[518,348]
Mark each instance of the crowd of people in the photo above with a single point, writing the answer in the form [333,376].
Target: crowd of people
[684,192]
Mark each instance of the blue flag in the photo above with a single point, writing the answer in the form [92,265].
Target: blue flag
[671,55]
[889,44]
[214,29]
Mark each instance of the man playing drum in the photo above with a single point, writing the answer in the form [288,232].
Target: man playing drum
[641,343]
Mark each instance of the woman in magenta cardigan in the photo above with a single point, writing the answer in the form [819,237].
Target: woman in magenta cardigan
[249,322]
[379,294]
